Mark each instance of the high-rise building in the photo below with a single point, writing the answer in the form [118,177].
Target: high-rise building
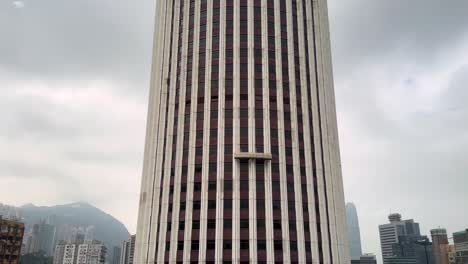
[393,232]
[128,251]
[440,246]
[11,240]
[242,157]
[116,252]
[460,239]
[41,239]
[59,253]
[354,234]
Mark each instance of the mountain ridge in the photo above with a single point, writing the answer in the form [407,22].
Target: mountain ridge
[79,214]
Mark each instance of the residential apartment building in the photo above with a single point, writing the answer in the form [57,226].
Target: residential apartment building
[11,239]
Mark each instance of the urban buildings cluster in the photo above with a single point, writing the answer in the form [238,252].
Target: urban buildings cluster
[80,252]
[402,243]
[11,239]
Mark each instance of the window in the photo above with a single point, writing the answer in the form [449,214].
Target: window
[293,245]
[196,224]
[195,245]
[227,244]
[276,205]
[212,204]
[244,204]
[244,244]
[277,225]
[212,186]
[197,187]
[244,224]
[278,245]
[211,224]
[196,205]
[227,204]
[227,223]
[210,244]
[261,245]
[180,245]
[227,185]
[260,223]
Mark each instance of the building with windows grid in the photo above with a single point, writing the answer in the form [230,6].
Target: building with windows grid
[242,158]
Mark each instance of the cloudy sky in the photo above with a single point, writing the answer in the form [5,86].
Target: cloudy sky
[74,83]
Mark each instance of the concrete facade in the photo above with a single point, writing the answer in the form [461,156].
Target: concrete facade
[392,233]
[440,246]
[11,238]
[242,156]
[460,240]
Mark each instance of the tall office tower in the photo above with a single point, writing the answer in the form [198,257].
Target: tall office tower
[242,159]
[354,234]
[440,246]
[395,235]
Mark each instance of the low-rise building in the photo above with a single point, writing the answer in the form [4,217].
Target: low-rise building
[460,239]
[88,252]
[365,259]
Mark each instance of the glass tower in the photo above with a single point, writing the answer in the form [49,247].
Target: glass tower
[242,158]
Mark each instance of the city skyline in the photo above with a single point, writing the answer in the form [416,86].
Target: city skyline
[393,151]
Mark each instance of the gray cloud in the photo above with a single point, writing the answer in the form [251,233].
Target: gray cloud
[400,81]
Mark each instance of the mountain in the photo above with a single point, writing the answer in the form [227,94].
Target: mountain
[106,228]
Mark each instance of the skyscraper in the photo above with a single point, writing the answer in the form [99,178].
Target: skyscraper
[440,246]
[242,158]
[354,234]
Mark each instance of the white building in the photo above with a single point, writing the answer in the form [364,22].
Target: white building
[89,252]
[69,254]
[59,253]
[128,250]
[390,233]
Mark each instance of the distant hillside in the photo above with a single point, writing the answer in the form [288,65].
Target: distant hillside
[106,228]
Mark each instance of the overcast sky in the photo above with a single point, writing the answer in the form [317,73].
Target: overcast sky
[74,84]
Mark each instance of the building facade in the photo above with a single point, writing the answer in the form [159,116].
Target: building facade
[440,246]
[128,251]
[354,233]
[11,240]
[242,157]
[116,254]
[460,240]
[41,239]
[89,252]
[395,234]
[365,259]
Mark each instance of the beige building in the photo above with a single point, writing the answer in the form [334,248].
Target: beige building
[440,246]
[242,158]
